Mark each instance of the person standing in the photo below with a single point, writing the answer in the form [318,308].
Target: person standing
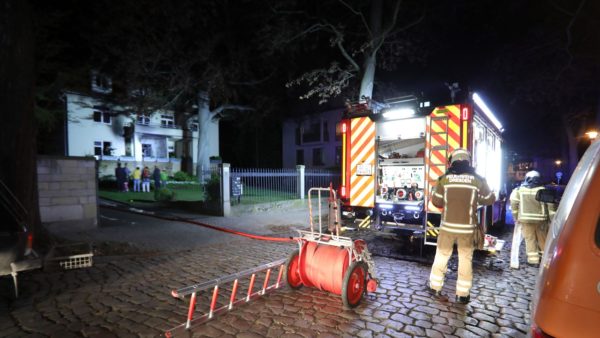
[458,192]
[156,177]
[137,177]
[120,176]
[146,180]
[163,178]
[531,215]
[126,173]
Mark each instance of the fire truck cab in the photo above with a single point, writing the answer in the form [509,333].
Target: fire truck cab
[392,158]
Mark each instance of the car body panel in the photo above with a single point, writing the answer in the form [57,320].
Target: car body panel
[567,298]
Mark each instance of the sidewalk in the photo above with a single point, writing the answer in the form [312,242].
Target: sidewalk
[123,230]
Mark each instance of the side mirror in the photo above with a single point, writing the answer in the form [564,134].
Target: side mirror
[546,196]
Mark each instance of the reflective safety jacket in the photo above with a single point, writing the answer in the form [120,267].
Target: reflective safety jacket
[526,209]
[459,195]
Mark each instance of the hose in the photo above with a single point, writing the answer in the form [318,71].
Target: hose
[213,227]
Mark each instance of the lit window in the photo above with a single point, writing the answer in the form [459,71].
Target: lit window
[167,121]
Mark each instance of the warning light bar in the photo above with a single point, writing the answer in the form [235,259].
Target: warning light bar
[487,111]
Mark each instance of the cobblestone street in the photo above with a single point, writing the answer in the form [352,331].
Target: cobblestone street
[129,296]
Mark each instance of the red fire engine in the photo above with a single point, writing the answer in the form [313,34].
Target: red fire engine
[391,159]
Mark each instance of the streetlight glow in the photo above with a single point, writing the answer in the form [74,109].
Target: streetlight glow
[592,134]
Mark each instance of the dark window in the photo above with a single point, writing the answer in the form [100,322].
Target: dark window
[147,150]
[300,156]
[317,156]
[338,156]
[325,132]
[97,148]
[101,116]
[106,149]
[128,146]
[312,133]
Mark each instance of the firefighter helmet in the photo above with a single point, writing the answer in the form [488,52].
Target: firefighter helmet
[460,154]
[532,174]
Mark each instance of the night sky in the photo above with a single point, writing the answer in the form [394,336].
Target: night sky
[534,61]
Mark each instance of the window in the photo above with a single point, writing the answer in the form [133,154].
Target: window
[338,156]
[101,116]
[128,146]
[300,156]
[143,119]
[146,150]
[194,126]
[312,133]
[167,121]
[317,156]
[325,132]
[102,148]
[101,83]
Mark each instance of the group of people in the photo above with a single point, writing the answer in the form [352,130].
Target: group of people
[141,178]
[459,192]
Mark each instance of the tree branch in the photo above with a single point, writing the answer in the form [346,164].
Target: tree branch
[224,107]
[388,29]
[360,14]
[570,40]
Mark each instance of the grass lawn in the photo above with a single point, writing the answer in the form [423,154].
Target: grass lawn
[128,197]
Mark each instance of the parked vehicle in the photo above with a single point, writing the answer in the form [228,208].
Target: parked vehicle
[566,302]
[392,159]
[16,240]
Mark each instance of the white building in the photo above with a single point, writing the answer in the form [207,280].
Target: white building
[313,140]
[113,133]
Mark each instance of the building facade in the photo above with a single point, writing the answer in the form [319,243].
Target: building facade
[313,140]
[113,133]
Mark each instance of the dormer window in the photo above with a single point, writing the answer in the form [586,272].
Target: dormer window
[167,121]
[143,119]
[101,83]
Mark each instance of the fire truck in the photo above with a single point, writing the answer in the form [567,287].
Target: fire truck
[392,158]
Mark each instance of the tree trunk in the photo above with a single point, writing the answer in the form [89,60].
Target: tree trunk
[204,137]
[370,63]
[17,130]
[368,78]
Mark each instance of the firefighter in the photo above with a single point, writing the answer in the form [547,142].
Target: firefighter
[458,192]
[531,215]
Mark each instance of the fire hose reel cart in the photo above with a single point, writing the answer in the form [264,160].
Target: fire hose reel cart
[331,262]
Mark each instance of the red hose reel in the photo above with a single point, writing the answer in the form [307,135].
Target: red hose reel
[331,262]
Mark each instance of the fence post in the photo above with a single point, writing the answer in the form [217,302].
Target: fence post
[225,188]
[300,181]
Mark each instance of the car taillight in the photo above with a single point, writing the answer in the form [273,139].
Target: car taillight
[536,332]
[29,247]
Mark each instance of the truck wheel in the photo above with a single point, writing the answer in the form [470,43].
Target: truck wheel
[292,271]
[354,284]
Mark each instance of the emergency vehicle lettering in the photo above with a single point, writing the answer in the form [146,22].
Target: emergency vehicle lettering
[362,159]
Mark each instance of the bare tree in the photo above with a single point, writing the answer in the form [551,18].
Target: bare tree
[362,33]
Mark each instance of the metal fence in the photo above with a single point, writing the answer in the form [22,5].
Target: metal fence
[319,178]
[252,185]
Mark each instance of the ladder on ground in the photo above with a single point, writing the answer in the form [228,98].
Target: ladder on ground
[229,286]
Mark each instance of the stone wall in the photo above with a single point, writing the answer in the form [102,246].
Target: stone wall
[67,189]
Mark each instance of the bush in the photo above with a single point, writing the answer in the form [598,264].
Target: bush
[213,188]
[182,176]
[164,194]
[107,182]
